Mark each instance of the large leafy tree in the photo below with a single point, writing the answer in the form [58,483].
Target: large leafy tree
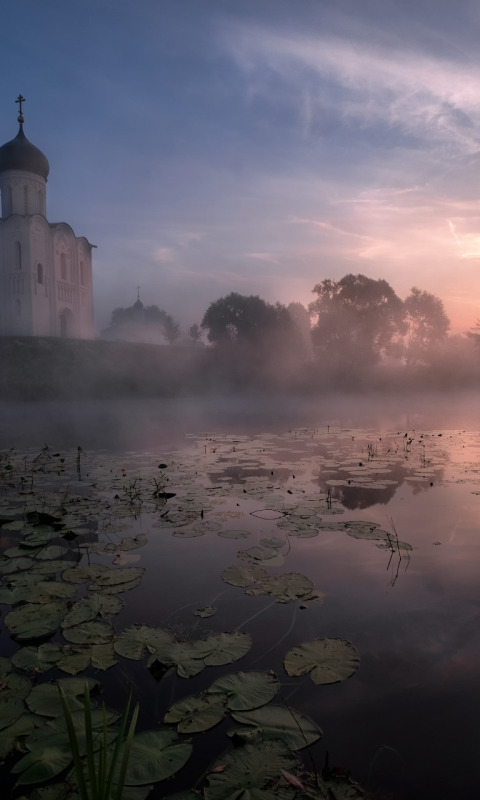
[427,326]
[358,320]
[249,325]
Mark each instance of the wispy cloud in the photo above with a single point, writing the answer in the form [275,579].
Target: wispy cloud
[419,92]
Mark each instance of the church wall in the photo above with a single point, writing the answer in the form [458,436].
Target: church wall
[41,278]
[16,301]
[22,193]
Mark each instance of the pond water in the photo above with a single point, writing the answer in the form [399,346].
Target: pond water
[362,537]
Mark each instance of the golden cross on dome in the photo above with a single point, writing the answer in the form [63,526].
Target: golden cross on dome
[20,99]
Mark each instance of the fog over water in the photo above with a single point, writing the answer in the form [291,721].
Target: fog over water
[150,423]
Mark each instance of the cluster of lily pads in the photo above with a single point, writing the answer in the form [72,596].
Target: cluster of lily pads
[61,518]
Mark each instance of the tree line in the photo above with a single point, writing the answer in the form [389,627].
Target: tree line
[353,325]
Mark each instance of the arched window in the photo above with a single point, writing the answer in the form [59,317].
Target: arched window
[63,267]
[17,247]
[41,202]
[18,308]
[82,274]
[39,273]
[25,199]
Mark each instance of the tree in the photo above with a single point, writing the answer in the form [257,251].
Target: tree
[301,319]
[195,333]
[427,326]
[474,335]
[252,328]
[358,320]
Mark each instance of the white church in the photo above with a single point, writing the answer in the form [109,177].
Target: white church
[45,270]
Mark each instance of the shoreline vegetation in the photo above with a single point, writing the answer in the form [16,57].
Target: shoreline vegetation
[37,368]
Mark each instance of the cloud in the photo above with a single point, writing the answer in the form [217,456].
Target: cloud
[421,93]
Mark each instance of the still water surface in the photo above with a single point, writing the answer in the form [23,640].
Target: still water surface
[406,723]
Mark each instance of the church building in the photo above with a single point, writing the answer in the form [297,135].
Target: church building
[45,270]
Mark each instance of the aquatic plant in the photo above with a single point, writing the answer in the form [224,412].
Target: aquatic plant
[106,767]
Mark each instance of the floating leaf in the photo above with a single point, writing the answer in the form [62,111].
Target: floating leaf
[154,756]
[11,708]
[43,764]
[135,641]
[249,772]
[46,591]
[246,690]
[116,577]
[279,722]
[83,574]
[26,622]
[74,661]
[244,576]
[268,513]
[196,713]
[328,660]
[206,611]
[227,647]
[44,699]
[233,534]
[93,632]
[37,659]
[90,607]
[10,736]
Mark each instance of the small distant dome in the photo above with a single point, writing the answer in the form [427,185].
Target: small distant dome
[138,305]
[21,154]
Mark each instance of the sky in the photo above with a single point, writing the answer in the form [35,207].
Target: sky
[255,146]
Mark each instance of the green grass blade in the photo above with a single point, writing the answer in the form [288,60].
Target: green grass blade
[90,745]
[77,761]
[126,754]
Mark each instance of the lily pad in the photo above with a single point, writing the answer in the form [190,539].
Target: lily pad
[234,534]
[154,756]
[10,736]
[46,591]
[11,708]
[328,660]
[246,690]
[196,713]
[37,659]
[93,632]
[44,699]
[279,722]
[89,608]
[206,611]
[244,575]
[135,641]
[226,648]
[42,764]
[249,771]
[26,623]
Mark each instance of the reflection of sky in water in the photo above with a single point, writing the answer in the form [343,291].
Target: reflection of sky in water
[407,720]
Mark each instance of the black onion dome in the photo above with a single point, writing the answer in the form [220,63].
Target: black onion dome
[21,154]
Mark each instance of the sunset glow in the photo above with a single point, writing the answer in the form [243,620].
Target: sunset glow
[257,147]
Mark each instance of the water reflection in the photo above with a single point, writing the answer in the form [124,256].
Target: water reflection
[411,614]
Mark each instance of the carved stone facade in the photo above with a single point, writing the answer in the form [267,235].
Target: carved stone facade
[45,270]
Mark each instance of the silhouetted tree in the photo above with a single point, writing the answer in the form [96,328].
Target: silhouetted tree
[427,326]
[474,334]
[195,333]
[256,331]
[358,320]
[301,319]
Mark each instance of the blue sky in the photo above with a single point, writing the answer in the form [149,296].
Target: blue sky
[257,146]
